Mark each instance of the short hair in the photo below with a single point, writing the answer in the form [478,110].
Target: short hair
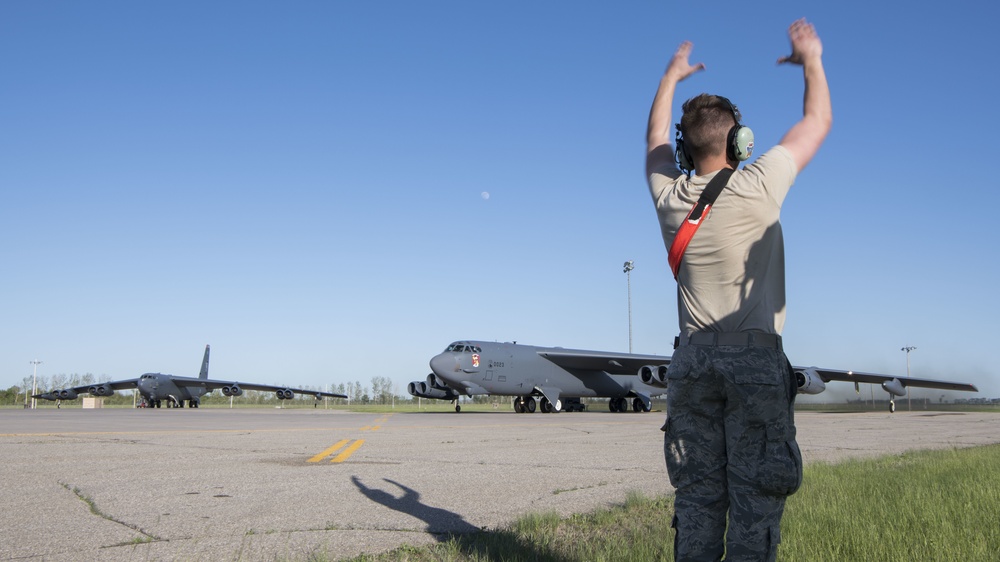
[705,125]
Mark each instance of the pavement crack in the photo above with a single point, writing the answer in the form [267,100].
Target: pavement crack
[146,537]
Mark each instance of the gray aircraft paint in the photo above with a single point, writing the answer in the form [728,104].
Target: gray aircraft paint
[553,374]
[158,387]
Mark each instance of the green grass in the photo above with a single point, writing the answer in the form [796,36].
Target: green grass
[919,506]
[928,505]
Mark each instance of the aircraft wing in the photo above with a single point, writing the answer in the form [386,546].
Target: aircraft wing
[212,384]
[613,363]
[871,378]
[97,389]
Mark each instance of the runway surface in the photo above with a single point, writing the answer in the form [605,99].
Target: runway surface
[216,484]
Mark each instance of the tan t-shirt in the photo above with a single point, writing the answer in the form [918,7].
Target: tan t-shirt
[732,276]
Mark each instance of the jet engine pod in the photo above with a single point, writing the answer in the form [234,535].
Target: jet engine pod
[284,394]
[653,375]
[233,390]
[809,381]
[101,390]
[435,381]
[412,388]
[894,387]
[68,394]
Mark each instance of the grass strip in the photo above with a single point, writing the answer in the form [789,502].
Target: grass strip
[939,505]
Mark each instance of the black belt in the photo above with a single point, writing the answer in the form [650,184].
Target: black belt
[741,339]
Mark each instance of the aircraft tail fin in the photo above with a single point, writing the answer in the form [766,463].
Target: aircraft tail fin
[204,364]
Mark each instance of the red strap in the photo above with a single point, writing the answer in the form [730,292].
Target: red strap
[684,235]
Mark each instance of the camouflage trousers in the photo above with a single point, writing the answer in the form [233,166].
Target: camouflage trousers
[730,450]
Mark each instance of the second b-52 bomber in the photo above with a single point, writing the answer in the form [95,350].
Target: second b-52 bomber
[158,389]
[557,378]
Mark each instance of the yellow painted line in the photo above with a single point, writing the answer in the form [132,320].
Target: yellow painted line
[376,428]
[336,446]
[348,451]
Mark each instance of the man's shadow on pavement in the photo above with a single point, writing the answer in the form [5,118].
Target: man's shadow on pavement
[449,526]
[440,522]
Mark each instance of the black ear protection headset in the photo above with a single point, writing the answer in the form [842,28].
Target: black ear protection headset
[739,142]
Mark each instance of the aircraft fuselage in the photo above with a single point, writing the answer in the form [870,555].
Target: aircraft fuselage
[549,373]
[509,369]
[157,386]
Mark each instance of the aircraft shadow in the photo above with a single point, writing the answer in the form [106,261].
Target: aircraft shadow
[498,545]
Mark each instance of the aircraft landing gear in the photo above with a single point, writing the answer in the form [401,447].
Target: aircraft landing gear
[638,406]
[892,406]
[518,405]
[618,404]
[526,404]
[549,407]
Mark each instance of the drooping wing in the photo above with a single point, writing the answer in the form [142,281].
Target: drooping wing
[213,384]
[95,388]
[613,363]
[872,378]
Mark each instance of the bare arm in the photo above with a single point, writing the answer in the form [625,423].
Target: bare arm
[658,131]
[805,137]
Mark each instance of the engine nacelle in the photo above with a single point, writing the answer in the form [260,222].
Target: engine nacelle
[653,375]
[233,390]
[809,381]
[284,394]
[67,394]
[425,390]
[894,387]
[434,381]
[101,390]
[440,394]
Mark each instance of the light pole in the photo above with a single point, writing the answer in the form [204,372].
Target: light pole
[908,349]
[34,383]
[629,266]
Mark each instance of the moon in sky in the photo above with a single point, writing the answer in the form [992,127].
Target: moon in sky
[485,195]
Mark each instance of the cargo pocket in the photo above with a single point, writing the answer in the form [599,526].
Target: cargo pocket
[780,471]
[671,454]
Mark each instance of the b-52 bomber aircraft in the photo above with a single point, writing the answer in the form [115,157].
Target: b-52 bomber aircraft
[156,388]
[559,377]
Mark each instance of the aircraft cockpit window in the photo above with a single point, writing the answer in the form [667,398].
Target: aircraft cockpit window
[463,348]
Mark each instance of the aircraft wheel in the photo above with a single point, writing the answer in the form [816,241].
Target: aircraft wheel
[547,406]
[892,406]
[529,405]
[637,405]
[623,404]
[518,405]
[458,408]
[613,404]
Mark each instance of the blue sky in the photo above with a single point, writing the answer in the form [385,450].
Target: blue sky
[303,185]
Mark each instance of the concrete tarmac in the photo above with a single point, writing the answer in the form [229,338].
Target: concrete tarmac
[219,484]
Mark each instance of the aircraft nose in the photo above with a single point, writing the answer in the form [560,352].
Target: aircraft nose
[444,364]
